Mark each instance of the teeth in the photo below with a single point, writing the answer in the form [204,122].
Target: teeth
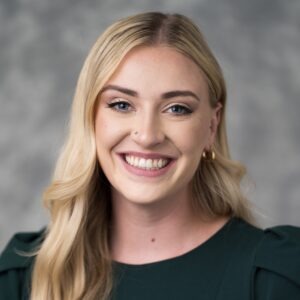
[147,164]
[142,163]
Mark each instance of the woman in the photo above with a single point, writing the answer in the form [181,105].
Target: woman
[145,201]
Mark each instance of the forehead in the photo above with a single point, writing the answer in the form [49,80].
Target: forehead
[159,68]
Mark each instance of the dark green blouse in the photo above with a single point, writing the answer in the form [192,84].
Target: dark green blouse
[238,262]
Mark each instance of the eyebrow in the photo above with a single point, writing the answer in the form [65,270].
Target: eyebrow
[120,89]
[179,93]
[166,95]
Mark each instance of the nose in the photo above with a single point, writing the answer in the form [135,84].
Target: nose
[147,130]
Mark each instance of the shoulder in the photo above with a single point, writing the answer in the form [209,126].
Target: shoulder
[16,262]
[15,254]
[276,265]
[263,264]
[269,246]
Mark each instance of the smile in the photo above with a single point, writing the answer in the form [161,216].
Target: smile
[150,165]
[146,163]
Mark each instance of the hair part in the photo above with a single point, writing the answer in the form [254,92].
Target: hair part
[74,260]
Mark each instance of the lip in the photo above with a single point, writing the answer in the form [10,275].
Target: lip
[143,172]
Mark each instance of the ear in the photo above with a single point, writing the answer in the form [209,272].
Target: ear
[214,124]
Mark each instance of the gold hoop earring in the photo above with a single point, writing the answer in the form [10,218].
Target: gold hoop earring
[209,155]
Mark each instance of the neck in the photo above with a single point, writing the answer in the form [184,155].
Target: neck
[143,233]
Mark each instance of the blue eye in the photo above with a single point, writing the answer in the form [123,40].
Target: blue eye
[121,106]
[180,110]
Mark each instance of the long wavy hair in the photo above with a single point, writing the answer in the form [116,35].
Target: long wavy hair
[73,262]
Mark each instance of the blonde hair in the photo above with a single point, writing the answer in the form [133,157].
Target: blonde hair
[73,261]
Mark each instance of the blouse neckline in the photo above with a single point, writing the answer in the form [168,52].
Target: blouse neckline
[201,247]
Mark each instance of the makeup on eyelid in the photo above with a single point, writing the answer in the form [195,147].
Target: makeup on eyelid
[113,105]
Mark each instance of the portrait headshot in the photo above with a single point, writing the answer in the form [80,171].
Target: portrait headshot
[150,151]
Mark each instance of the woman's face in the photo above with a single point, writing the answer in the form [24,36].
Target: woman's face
[152,124]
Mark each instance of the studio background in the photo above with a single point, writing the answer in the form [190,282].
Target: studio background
[43,45]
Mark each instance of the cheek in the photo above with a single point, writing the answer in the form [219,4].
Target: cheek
[107,133]
[192,138]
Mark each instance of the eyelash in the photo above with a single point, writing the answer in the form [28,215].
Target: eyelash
[186,109]
[114,105]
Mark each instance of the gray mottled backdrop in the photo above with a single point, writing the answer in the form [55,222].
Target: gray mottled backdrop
[42,48]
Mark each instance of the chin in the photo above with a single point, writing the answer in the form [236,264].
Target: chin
[140,197]
[143,200]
